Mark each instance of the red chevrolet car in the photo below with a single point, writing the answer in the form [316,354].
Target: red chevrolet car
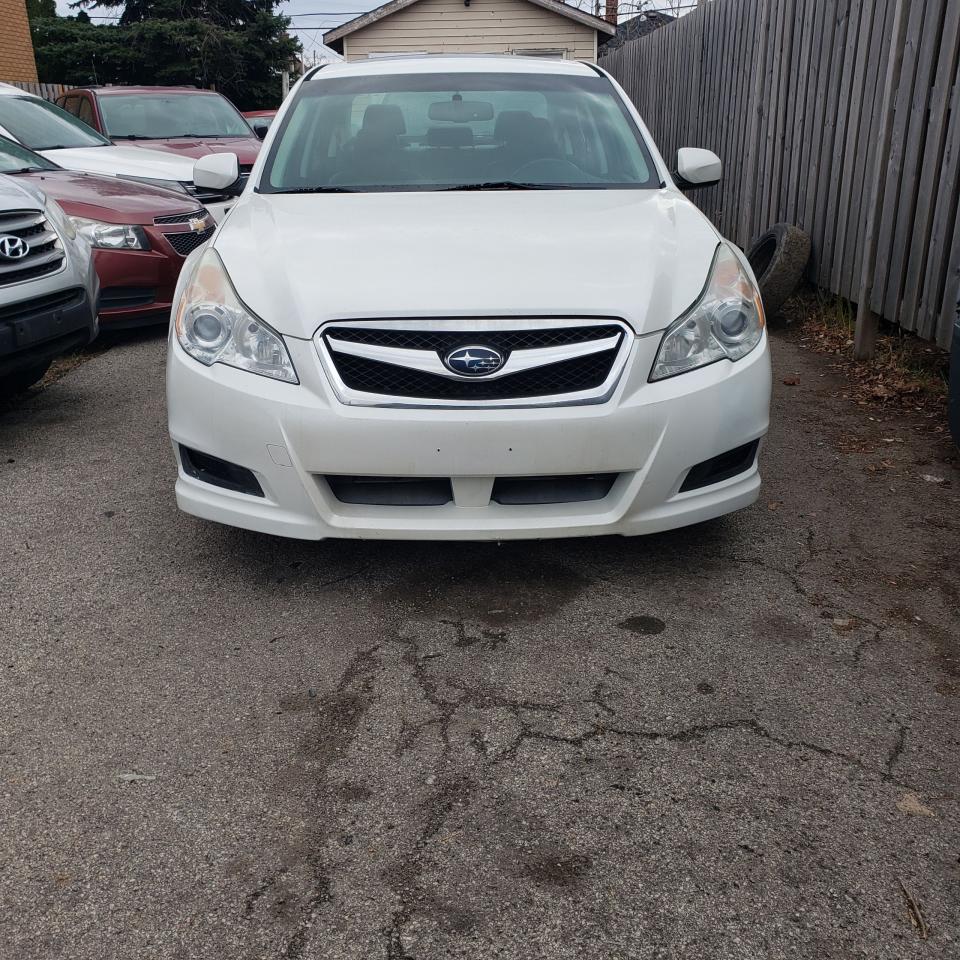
[182,120]
[140,234]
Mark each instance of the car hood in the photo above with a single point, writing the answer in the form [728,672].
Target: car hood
[14,194]
[246,148]
[110,199]
[301,260]
[123,162]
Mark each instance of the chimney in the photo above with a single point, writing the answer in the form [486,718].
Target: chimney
[611,14]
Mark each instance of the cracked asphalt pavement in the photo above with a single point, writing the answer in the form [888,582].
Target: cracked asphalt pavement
[738,740]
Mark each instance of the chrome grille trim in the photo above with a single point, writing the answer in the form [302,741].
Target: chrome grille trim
[199,214]
[518,361]
[46,255]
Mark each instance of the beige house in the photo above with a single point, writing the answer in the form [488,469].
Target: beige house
[544,28]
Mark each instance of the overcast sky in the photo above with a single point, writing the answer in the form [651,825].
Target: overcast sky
[310,29]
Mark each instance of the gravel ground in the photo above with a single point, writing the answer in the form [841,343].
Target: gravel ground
[739,740]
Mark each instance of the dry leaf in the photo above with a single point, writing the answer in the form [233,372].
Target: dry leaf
[911,803]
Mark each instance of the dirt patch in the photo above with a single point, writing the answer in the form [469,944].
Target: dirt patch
[907,373]
[556,868]
[644,625]
[498,590]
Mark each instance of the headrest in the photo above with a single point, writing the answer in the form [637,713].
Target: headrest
[384,119]
[449,136]
[511,123]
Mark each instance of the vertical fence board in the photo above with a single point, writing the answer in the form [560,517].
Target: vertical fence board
[858,130]
[935,174]
[843,119]
[898,148]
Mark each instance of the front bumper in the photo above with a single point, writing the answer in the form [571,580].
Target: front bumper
[292,436]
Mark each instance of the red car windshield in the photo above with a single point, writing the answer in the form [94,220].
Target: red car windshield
[167,116]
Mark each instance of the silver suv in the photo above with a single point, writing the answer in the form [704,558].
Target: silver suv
[48,286]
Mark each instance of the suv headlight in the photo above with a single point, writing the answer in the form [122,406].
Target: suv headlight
[213,326]
[725,323]
[60,220]
[111,236]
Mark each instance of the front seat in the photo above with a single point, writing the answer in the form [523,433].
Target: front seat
[375,154]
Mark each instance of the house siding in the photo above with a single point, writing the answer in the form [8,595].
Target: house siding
[486,26]
[16,47]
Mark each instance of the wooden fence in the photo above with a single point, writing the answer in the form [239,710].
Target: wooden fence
[795,95]
[49,91]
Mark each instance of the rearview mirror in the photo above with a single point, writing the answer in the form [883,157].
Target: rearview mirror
[217,171]
[260,128]
[697,168]
[460,111]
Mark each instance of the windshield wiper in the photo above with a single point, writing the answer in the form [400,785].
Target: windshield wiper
[132,136]
[13,173]
[505,185]
[321,190]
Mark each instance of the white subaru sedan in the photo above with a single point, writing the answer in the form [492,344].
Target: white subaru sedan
[465,298]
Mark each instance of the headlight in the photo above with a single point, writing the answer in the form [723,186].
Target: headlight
[725,323]
[111,236]
[62,222]
[213,326]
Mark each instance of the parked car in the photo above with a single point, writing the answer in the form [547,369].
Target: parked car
[48,286]
[466,299]
[181,120]
[140,234]
[51,131]
[260,120]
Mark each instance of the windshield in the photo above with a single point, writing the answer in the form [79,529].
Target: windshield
[160,116]
[17,159]
[41,125]
[448,131]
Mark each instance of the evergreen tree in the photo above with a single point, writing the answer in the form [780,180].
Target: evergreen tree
[238,47]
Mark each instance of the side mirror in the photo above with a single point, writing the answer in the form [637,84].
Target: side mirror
[217,171]
[697,168]
[260,128]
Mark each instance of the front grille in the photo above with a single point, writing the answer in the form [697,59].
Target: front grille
[561,360]
[45,254]
[569,376]
[445,340]
[185,243]
[198,214]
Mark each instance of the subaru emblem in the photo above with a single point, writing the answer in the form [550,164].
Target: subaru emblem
[474,361]
[13,248]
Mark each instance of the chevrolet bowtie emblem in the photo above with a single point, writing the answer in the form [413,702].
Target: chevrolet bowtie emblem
[196,224]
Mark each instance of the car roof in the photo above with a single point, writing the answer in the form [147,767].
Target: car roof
[452,63]
[113,91]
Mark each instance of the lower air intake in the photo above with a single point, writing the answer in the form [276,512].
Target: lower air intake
[392,491]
